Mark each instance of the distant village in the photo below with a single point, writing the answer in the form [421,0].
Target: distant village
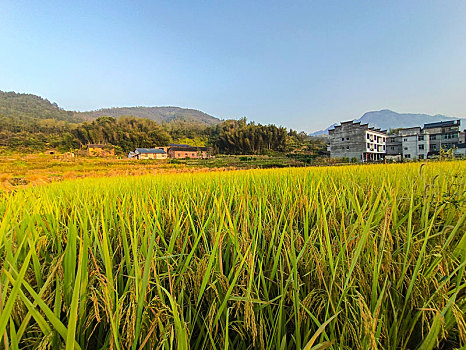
[171,151]
[351,141]
[361,143]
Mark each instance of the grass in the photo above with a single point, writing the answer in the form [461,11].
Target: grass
[352,257]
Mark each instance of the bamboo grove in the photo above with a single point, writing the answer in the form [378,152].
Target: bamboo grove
[355,257]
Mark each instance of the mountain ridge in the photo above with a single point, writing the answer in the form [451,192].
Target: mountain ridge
[158,114]
[21,106]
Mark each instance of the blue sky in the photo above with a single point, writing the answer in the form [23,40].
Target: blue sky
[301,64]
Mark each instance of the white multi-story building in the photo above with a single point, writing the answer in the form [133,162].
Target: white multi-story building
[414,143]
[354,140]
[421,143]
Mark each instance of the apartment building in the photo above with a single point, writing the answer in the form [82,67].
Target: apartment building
[442,135]
[421,143]
[414,143]
[394,147]
[354,140]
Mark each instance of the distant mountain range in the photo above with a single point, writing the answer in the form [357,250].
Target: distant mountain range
[387,119]
[28,106]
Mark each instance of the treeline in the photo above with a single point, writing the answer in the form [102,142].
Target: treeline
[29,123]
[127,133]
[240,137]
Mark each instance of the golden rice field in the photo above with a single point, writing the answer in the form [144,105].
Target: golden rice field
[355,257]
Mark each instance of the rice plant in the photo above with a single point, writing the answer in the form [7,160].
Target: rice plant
[355,257]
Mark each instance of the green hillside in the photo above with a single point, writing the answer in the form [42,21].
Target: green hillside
[22,107]
[29,123]
[157,114]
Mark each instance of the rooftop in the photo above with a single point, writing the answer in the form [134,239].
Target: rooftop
[188,148]
[178,145]
[358,123]
[149,150]
[440,124]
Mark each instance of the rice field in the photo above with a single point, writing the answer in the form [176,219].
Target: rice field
[354,257]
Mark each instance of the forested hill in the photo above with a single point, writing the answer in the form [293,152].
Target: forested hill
[25,107]
[157,114]
[30,123]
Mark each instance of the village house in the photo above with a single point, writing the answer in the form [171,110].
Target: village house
[177,151]
[100,150]
[354,140]
[148,153]
[186,151]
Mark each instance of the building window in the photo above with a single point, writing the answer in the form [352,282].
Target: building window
[383,139]
[405,139]
[367,135]
[421,147]
[347,147]
[433,137]
[343,139]
[347,138]
[392,148]
[384,147]
[420,138]
[405,148]
[421,156]
[407,155]
[450,136]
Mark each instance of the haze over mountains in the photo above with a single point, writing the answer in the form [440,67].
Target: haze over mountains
[387,119]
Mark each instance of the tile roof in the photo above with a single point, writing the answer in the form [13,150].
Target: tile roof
[187,149]
[149,150]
